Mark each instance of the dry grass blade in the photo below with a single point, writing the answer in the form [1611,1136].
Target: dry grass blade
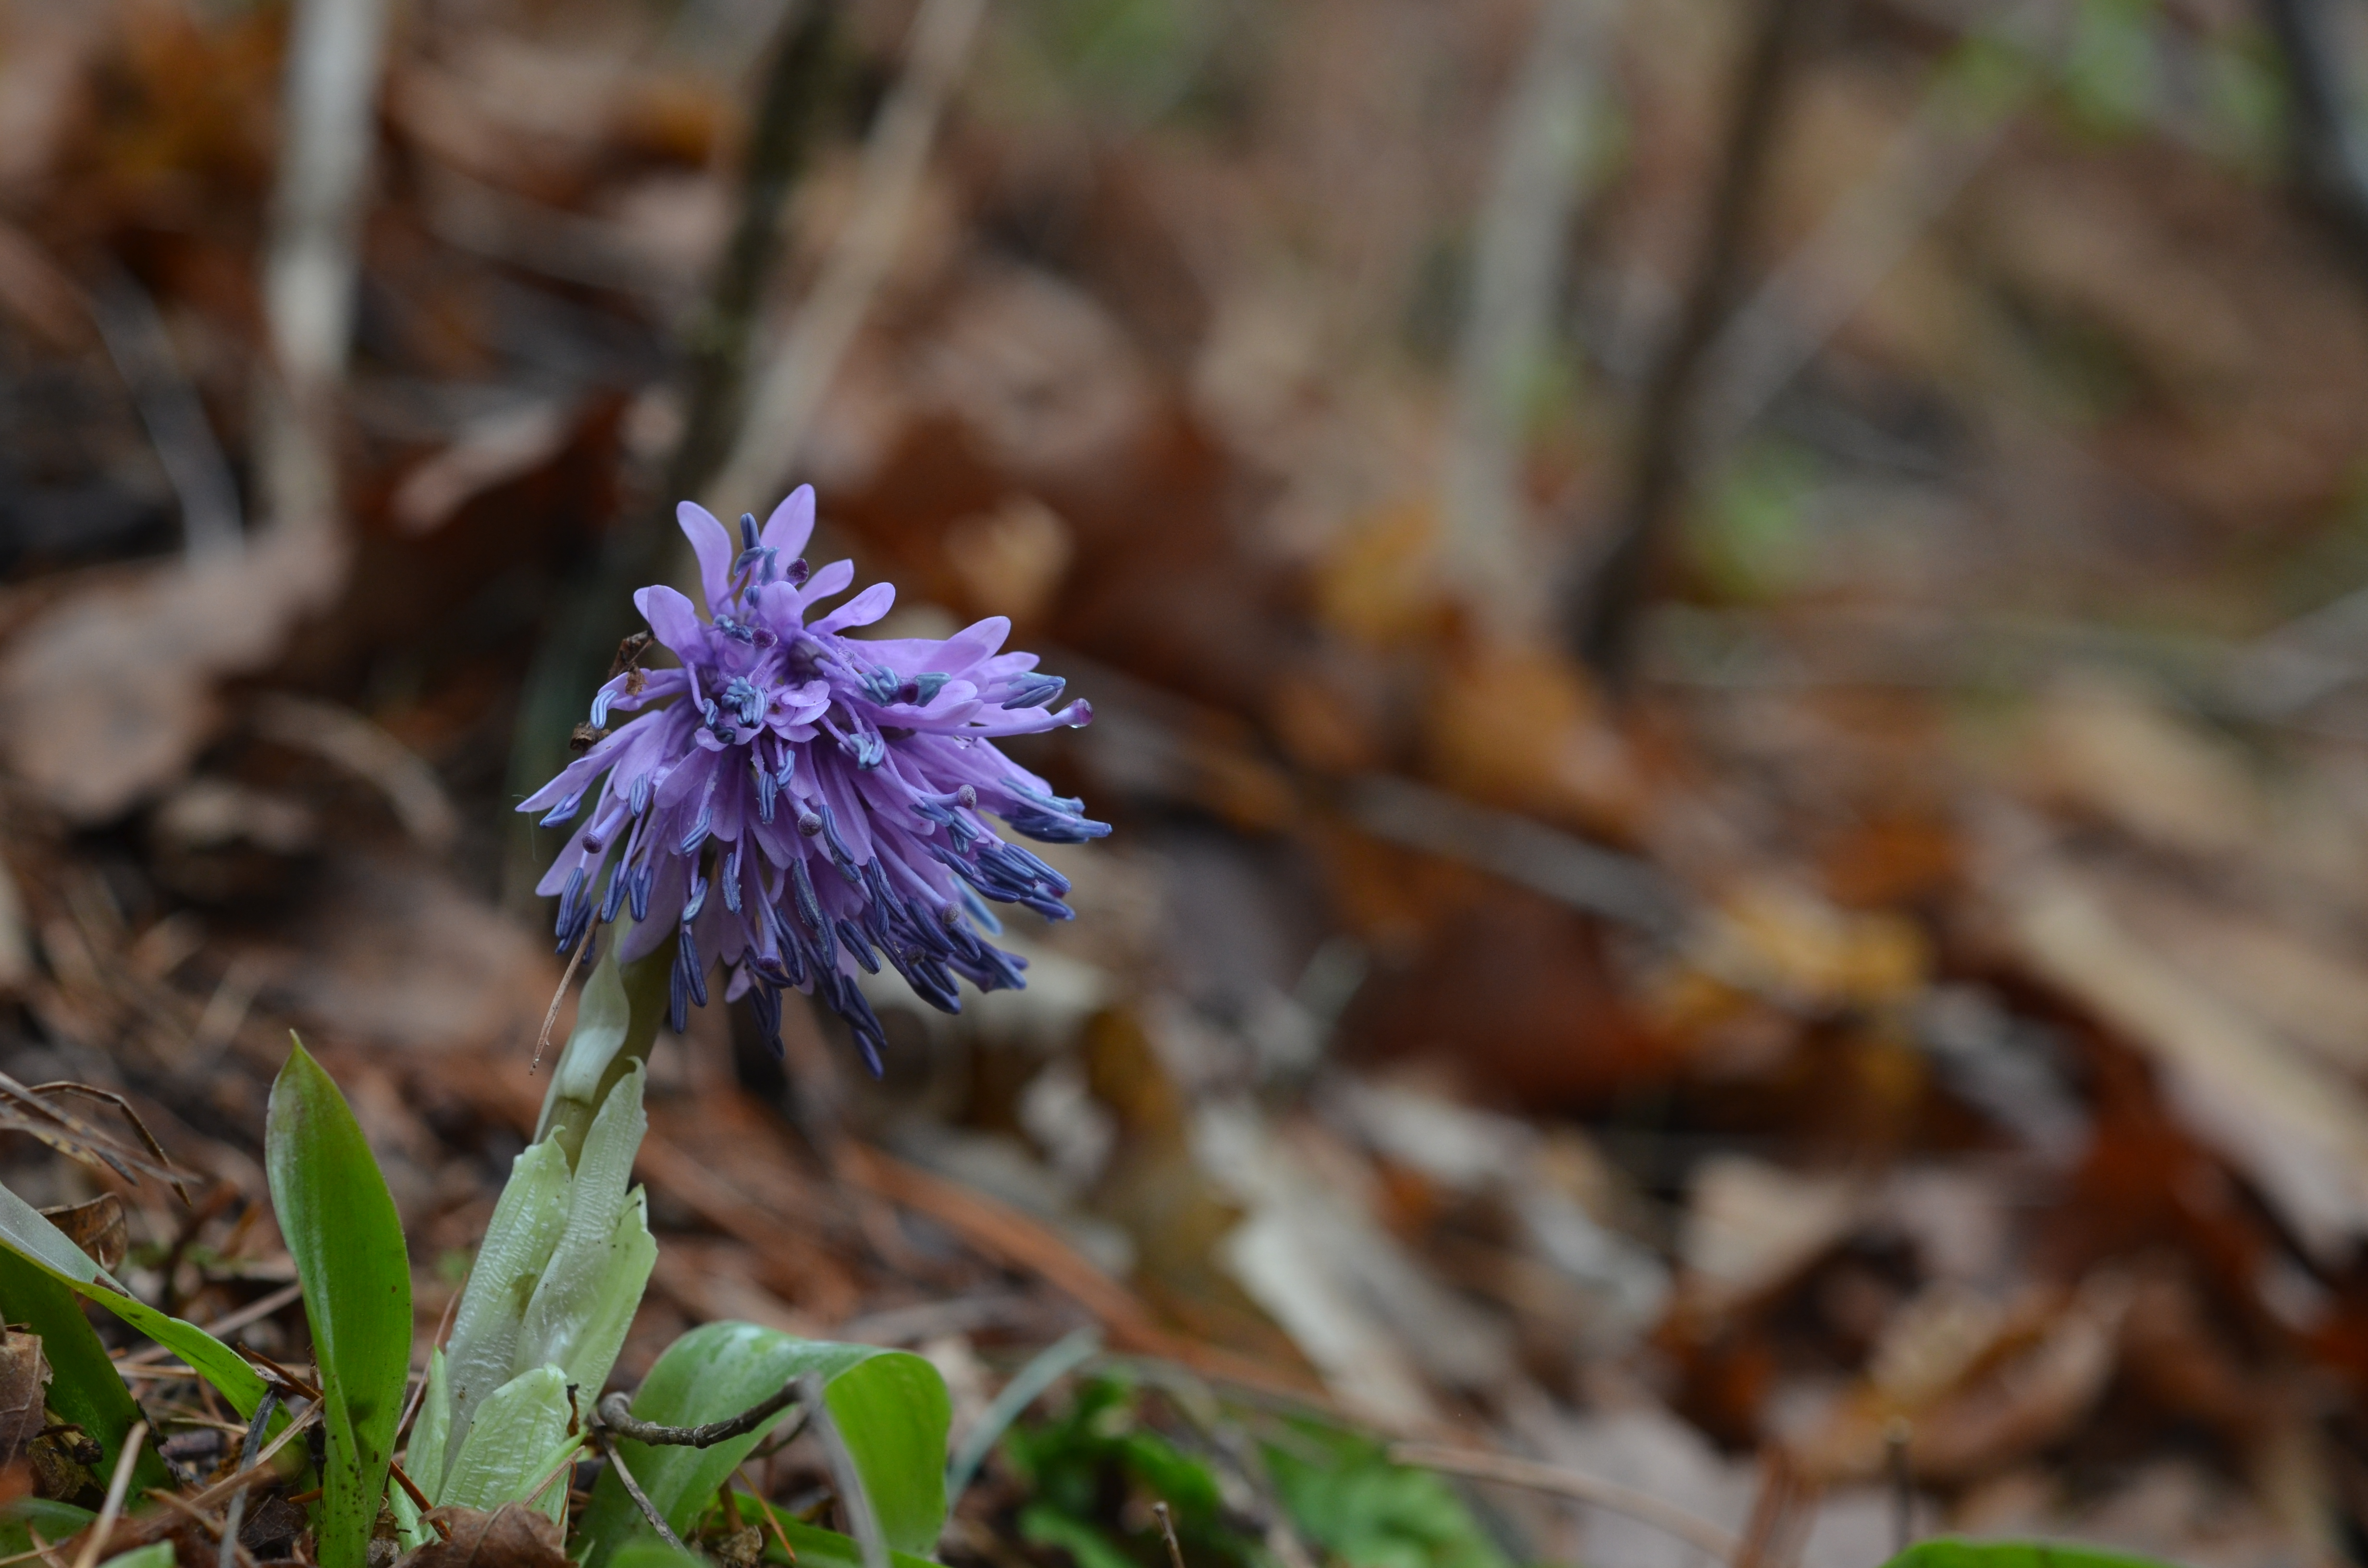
[28,1110]
[94,1539]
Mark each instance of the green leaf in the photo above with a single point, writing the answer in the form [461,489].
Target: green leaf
[25,1232]
[577,1316]
[341,1228]
[155,1554]
[424,1462]
[85,1386]
[890,1405]
[517,1437]
[55,1521]
[1343,1493]
[1943,1552]
[482,1355]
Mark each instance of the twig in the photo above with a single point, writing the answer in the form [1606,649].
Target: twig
[193,462]
[1815,290]
[542,1041]
[1642,1507]
[588,619]
[642,1500]
[1625,575]
[1167,1532]
[116,1486]
[615,1415]
[716,342]
[1045,1368]
[862,1520]
[328,122]
[286,1379]
[772,1518]
[235,1513]
[410,1487]
[895,155]
[2329,155]
[1543,143]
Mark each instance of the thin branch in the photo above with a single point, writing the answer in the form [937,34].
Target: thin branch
[1642,1507]
[588,619]
[1628,573]
[1544,143]
[236,1514]
[2328,150]
[642,1501]
[542,1041]
[615,1415]
[895,154]
[193,462]
[771,1519]
[1166,1518]
[716,341]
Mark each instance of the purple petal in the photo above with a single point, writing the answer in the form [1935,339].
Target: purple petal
[713,546]
[831,580]
[674,620]
[790,525]
[862,610]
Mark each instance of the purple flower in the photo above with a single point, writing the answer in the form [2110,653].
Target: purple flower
[796,802]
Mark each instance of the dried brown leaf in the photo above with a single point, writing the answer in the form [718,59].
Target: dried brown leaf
[24,1383]
[513,1536]
[97,1227]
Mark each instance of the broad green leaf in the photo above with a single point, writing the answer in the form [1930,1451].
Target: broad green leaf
[341,1226]
[155,1554]
[55,1521]
[579,1311]
[85,1386]
[514,1442]
[424,1460]
[25,1232]
[1948,1553]
[890,1405]
[527,1225]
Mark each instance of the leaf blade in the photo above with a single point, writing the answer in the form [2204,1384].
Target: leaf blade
[890,1405]
[340,1225]
[85,1386]
[29,1233]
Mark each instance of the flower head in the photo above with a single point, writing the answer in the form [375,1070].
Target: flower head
[792,803]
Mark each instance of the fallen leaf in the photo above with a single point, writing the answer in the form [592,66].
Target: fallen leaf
[109,693]
[97,1227]
[512,1536]
[24,1383]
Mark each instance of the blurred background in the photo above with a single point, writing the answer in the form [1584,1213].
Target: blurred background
[1728,644]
